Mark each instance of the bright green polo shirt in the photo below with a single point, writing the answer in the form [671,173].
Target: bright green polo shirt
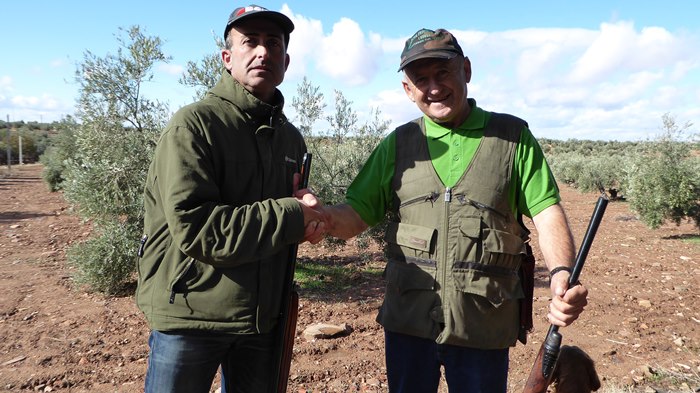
[533,187]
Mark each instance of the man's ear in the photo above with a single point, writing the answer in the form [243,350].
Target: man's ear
[468,69]
[286,61]
[408,89]
[226,58]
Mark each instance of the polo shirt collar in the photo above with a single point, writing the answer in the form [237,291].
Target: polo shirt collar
[475,121]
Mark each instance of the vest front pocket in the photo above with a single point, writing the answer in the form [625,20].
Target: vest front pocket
[494,283]
[411,302]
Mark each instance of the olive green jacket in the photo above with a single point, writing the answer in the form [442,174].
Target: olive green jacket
[454,253]
[219,216]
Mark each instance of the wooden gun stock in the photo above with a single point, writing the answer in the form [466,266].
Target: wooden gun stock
[290,306]
[542,370]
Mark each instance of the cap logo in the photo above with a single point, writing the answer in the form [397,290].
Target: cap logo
[250,8]
[419,38]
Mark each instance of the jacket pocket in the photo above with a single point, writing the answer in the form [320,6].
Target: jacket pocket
[178,284]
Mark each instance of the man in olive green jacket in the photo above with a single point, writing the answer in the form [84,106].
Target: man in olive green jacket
[222,213]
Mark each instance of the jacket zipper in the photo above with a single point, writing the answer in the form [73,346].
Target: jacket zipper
[178,278]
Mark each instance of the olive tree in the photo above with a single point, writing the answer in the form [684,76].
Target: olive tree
[114,145]
[341,149]
[663,182]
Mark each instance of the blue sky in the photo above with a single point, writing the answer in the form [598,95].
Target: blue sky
[605,70]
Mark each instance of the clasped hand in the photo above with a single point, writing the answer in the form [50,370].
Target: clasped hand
[315,216]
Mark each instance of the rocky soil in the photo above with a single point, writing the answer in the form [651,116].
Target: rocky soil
[642,325]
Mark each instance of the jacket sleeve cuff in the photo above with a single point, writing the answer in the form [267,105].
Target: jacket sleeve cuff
[294,223]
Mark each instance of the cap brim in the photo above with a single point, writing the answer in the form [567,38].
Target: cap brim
[434,54]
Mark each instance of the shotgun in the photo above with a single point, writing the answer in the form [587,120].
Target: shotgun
[543,369]
[287,326]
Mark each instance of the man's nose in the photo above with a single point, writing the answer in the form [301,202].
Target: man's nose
[261,51]
[433,86]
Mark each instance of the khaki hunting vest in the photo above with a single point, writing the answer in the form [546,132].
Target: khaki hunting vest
[454,254]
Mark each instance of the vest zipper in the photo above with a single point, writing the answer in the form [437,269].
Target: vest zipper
[445,239]
[464,200]
[432,197]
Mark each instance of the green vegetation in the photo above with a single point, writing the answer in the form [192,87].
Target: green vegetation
[663,181]
[100,159]
[322,276]
[34,138]
[61,149]
[659,178]
[339,150]
[113,145]
[693,240]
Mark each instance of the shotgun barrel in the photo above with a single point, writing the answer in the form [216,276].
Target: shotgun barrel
[542,370]
[286,329]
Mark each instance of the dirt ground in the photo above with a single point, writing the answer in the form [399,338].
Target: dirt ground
[642,325]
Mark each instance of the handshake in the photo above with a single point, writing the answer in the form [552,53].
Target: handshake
[320,220]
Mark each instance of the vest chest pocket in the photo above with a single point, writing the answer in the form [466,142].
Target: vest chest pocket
[414,242]
[409,249]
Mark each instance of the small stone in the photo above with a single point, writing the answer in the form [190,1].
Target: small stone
[325,330]
[646,371]
[373,382]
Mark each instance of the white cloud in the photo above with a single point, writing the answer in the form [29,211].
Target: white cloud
[6,83]
[346,55]
[44,102]
[303,44]
[611,83]
[171,69]
[57,63]
[606,54]
[45,108]
[619,48]
[395,106]
[682,68]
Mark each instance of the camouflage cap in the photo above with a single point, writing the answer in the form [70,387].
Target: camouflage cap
[426,43]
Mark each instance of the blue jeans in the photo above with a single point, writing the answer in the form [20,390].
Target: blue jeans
[188,361]
[413,366]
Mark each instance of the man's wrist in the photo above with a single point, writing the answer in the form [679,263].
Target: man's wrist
[557,270]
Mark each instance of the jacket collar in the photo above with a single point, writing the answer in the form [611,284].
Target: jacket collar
[229,89]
